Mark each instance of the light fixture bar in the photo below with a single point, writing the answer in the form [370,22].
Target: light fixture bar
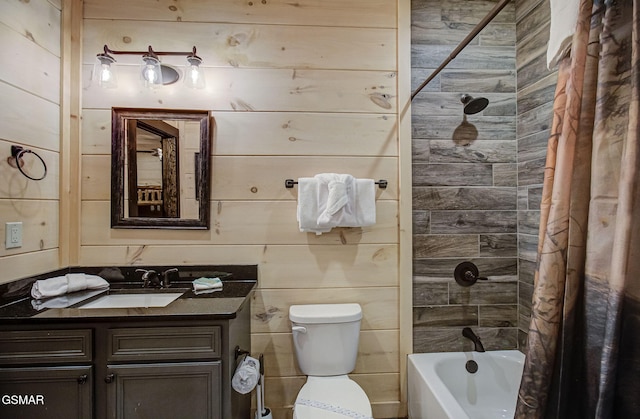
[150,51]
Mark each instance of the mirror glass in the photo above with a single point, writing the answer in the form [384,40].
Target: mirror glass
[159,178]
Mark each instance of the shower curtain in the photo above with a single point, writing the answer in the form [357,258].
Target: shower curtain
[583,353]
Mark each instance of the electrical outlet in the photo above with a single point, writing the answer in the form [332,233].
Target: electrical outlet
[13,234]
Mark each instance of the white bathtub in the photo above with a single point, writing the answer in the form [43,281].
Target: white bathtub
[441,388]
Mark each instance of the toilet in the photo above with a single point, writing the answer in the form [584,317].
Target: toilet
[325,340]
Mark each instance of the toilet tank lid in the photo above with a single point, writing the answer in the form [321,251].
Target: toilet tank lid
[325,313]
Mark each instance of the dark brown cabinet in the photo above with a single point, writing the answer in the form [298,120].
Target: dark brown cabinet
[123,369]
[46,374]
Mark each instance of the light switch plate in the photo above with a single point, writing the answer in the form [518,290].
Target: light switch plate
[13,234]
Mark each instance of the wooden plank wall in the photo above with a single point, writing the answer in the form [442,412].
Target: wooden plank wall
[295,89]
[536,88]
[30,118]
[464,192]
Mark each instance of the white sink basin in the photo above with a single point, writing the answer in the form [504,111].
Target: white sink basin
[143,300]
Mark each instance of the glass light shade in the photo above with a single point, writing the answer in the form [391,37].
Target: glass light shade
[104,73]
[193,74]
[151,72]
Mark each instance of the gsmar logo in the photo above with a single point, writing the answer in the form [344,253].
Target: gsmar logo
[22,399]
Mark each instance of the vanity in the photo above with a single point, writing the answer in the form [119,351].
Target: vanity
[175,361]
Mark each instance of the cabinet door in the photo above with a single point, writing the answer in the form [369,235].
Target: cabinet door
[164,391]
[46,393]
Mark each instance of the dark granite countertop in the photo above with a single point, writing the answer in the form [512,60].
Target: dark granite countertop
[17,306]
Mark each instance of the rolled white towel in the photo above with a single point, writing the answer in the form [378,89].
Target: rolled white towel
[60,285]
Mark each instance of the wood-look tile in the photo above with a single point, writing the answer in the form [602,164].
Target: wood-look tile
[421,222]
[523,198]
[452,174]
[522,338]
[499,245]
[524,319]
[525,295]
[447,103]
[460,11]
[533,46]
[523,7]
[420,151]
[528,222]
[534,146]
[473,56]
[500,104]
[498,34]
[418,75]
[534,197]
[526,271]
[443,127]
[531,172]
[498,315]
[430,293]
[442,269]
[528,247]
[505,174]
[445,316]
[535,120]
[484,292]
[538,94]
[535,19]
[446,151]
[467,222]
[461,198]
[451,339]
[476,81]
[432,32]
[447,245]
[532,71]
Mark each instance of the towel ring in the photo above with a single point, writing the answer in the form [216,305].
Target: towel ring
[288,183]
[16,160]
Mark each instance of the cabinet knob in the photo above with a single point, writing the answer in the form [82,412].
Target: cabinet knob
[82,379]
[109,378]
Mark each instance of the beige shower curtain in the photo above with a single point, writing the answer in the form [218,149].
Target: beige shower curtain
[583,353]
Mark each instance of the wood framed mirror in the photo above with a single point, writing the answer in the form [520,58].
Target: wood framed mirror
[160,168]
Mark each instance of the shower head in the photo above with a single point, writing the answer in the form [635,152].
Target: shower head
[473,105]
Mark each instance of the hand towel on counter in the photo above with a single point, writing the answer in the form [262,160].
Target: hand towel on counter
[64,301]
[202,284]
[564,17]
[60,285]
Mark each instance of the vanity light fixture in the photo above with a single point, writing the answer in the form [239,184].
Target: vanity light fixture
[152,73]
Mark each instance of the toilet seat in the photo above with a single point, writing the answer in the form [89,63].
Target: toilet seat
[335,397]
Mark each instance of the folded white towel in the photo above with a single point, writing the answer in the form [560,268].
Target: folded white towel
[60,285]
[335,200]
[564,17]
[64,301]
[336,195]
[307,214]
[206,284]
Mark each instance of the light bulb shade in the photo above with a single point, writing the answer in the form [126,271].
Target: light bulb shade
[104,74]
[151,72]
[193,74]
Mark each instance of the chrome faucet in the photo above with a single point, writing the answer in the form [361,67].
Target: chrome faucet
[468,333]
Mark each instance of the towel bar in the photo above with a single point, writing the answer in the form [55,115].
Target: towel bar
[288,183]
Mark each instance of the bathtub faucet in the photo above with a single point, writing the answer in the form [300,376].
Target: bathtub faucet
[468,333]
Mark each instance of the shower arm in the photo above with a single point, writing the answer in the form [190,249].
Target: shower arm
[480,26]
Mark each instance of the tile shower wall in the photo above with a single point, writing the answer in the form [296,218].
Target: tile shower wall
[465,189]
[536,88]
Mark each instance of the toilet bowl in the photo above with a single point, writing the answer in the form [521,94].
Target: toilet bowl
[325,338]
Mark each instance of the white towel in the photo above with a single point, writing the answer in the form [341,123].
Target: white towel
[335,200]
[308,206]
[564,17]
[60,285]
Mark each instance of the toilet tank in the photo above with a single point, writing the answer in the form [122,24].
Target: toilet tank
[325,337]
